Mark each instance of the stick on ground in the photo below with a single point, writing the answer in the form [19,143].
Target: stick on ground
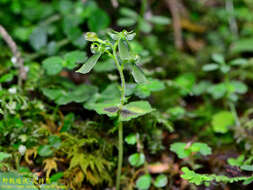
[16,54]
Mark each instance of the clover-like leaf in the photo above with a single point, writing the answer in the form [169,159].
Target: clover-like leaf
[90,63]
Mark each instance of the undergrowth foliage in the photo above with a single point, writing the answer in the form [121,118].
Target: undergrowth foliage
[127,94]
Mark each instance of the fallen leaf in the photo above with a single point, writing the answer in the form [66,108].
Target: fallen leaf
[158,168]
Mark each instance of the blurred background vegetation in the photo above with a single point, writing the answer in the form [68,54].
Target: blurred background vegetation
[197,55]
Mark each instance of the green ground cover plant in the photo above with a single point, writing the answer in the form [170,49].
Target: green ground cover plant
[116,94]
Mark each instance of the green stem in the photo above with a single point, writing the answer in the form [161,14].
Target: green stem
[233,110]
[120,154]
[122,78]
[120,124]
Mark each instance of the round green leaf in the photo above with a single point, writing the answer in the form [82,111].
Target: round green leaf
[143,182]
[38,38]
[161,181]
[53,65]
[136,159]
[221,121]
[131,139]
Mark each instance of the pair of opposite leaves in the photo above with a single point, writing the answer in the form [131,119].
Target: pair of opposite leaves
[137,73]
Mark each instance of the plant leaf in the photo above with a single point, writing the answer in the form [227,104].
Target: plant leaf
[210,67]
[138,74]
[90,63]
[99,20]
[218,58]
[45,150]
[161,181]
[247,167]
[73,58]
[123,49]
[202,148]
[126,22]
[109,108]
[131,139]
[136,159]
[242,45]
[38,38]
[53,65]
[4,155]
[143,182]
[236,161]
[180,150]
[135,109]
[221,121]
[162,20]
[128,12]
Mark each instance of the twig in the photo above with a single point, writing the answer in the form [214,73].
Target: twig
[16,54]
[173,7]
